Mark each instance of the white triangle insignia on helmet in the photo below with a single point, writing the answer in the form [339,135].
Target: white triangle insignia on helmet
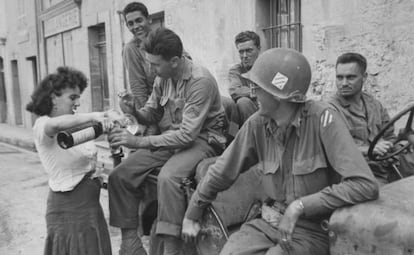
[280,80]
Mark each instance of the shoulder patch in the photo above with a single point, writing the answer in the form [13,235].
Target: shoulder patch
[326,118]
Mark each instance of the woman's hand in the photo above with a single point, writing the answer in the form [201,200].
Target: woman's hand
[101,117]
[107,125]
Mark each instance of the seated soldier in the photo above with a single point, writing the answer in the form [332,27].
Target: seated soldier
[186,104]
[248,46]
[364,114]
[308,162]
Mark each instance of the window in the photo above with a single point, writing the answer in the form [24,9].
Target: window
[49,3]
[98,67]
[157,20]
[285,29]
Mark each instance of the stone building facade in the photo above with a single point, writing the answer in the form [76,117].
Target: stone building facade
[18,60]
[37,36]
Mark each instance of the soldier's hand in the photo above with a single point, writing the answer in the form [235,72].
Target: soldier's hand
[287,225]
[120,136]
[190,230]
[382,147]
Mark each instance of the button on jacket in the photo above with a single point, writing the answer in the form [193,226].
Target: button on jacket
[314,159]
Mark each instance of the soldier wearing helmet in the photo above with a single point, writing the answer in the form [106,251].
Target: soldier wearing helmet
[306,157]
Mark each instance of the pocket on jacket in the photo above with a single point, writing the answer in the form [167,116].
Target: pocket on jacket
[307,166]
[268,167]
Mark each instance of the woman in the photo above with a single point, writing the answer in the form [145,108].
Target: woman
[74,216]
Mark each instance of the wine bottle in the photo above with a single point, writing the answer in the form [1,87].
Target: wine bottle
[81,134]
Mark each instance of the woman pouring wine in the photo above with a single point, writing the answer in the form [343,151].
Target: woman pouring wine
[74,216]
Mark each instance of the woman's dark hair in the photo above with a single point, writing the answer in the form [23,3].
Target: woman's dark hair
[135,6]
[64,77]
[165,43]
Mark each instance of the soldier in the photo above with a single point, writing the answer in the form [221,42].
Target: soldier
[365,115]
[309,164]
[140,76]
[186,104]
[248,46]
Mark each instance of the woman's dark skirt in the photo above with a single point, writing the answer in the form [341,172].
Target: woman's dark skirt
[75,222]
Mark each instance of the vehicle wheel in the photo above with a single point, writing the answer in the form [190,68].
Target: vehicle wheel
[213,234]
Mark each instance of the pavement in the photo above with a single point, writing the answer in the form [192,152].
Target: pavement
[23,138]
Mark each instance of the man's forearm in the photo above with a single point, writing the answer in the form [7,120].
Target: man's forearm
[146,116]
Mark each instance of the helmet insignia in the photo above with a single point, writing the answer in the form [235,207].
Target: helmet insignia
[280,80]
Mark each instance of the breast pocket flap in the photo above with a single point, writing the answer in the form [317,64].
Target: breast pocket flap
[307,166]
[268,167]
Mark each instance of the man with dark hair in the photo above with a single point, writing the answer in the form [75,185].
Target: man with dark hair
[364,114]
[185,102]
[248,46]
[140,76]
[307,161]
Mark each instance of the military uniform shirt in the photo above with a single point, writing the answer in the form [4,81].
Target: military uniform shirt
[364,125]
[184,111]
[314,159]
[238,85]
[140,76]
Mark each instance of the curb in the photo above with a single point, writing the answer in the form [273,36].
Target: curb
[19,143]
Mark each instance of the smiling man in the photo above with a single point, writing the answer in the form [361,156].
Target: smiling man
[140,76]
[248,46]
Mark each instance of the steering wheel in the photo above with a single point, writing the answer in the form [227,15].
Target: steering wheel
[406,134]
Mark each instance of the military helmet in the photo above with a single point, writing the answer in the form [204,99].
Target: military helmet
[284,73]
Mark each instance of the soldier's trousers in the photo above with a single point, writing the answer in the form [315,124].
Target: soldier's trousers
[258,237]
[125,185]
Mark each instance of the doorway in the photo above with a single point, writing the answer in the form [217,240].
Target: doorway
[33,67]
[3,96]
[16,93]
[98,67]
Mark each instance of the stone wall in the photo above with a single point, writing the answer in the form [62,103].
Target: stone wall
[381,30]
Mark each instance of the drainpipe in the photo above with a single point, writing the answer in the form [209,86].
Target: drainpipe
[121,28]
[36,2]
